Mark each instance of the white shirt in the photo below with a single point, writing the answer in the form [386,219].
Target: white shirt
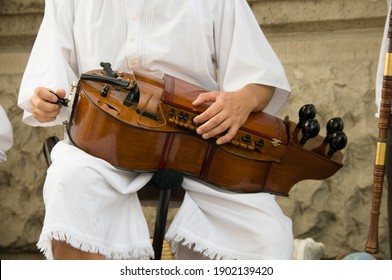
[6,135]
[189,39]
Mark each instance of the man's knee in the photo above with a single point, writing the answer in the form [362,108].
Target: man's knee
[63,251]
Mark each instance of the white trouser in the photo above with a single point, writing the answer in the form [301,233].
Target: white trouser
[94,207]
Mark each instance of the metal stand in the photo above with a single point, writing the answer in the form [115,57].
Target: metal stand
[165,181]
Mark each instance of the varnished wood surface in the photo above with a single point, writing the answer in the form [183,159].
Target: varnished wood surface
[105,128]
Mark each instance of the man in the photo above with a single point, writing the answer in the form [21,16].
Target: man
[92,209]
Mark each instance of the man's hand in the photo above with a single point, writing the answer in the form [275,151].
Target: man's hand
[230,110]
[42,104]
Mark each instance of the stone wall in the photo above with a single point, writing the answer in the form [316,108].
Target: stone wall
[330,52]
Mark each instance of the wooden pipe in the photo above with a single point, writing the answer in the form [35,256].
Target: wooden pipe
[381,148]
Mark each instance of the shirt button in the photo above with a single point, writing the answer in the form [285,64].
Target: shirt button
[132,64]
[132,39]
[135,18]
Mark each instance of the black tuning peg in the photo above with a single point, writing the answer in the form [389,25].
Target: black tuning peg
[306,112]
[337,142]
[310,129]
[333,125]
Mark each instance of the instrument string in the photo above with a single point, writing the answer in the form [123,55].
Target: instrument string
[143,110]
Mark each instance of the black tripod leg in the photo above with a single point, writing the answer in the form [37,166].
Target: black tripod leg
[165,181]
[160,223]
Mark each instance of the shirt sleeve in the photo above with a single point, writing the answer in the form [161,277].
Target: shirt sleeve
[52,61]
[380,67]
[6,135]
[245,56]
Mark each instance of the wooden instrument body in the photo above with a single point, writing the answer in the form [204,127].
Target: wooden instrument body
[263,157]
